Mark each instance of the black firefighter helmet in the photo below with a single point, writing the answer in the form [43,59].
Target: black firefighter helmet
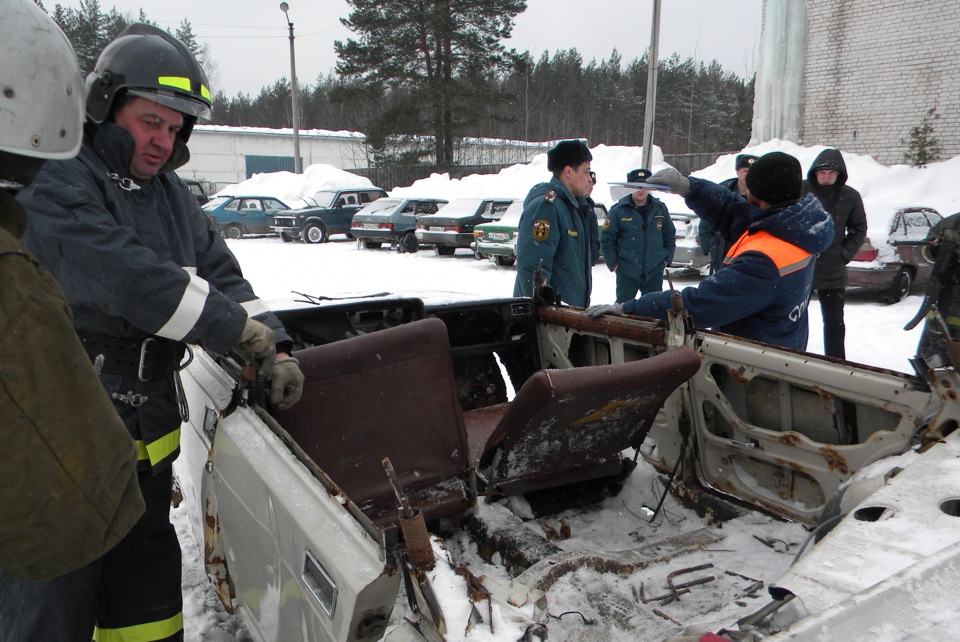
[148,62]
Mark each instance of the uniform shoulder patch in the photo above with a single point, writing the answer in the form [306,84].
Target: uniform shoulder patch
[550,196]
[541,230]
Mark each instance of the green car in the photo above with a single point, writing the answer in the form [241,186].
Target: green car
[498,240]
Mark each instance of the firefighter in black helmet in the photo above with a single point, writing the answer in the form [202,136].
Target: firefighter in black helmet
[145,275]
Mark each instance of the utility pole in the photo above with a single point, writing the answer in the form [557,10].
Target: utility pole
[650,113]
[294,93]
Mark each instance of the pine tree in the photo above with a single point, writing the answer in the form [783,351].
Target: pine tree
[922,146]
[438,58]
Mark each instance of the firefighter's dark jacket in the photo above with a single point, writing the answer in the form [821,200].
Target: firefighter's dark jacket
[68,477]
[136,259]
[763,290]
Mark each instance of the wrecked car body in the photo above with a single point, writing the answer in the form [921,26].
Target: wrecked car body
[301,527]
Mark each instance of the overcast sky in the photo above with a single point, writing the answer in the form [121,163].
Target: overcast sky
[250,49]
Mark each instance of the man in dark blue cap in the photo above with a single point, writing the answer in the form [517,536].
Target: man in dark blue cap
[638,240]
[555,232]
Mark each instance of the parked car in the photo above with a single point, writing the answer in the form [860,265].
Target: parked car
[196,188]
[895,266]
[330,211]
[235,216]
[452,226]
[688,255]
[393,221]
[498,240]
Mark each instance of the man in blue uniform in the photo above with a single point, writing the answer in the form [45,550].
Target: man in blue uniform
[764,287]
[638,240]
[554,233]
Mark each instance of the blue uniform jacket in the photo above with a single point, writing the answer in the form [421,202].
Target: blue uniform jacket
[554,227]
[639,240]
[749,297]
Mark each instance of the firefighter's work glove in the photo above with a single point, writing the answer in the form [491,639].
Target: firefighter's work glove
[677,182]
[286,382]
[606,308]
[257,341]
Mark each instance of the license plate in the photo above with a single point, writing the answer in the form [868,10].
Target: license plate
[436,229]
[370,226]
[498,236]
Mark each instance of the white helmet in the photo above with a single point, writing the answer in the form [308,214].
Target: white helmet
[41,92]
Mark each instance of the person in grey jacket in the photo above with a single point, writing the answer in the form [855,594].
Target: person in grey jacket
[638,240]
[827,180]
[145,275]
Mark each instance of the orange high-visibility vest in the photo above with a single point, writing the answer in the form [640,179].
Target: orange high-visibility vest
[786,256]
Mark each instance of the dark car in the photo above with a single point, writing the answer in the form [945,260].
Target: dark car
[895,266]
[452,226]
[330,211]
[196,188]
[393,221]
[236,216]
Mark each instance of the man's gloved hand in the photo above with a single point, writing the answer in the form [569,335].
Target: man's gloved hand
[606,308]
[257,346]
[286,382]
[256,339]
[677,182]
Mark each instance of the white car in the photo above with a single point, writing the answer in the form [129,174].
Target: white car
[543,507]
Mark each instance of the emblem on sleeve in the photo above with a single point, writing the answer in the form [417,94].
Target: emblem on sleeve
[550,196]
[541,230]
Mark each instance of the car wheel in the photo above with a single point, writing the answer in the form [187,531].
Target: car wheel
[504,261]
[315,233]
[444,250]
[900,288]
[233,232]
[286,238]
[372,245]
[409,243]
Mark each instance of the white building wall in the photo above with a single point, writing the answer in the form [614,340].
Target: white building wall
[871,70]
[218,154]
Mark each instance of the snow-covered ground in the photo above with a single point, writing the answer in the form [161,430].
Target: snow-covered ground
[875,336]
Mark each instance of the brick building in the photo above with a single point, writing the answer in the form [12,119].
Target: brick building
[859,75]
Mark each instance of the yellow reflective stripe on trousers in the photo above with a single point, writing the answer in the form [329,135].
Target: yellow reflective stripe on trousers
[160,449]
[141,632]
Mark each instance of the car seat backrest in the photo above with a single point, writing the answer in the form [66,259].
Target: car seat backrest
[391,394]
[562,423]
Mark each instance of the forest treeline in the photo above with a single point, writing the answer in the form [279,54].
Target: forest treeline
[700,107]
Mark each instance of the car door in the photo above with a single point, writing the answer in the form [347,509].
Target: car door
[345,206]
[784,429]
[303,563]
[251,215]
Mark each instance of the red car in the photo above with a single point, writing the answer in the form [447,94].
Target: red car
[897,265]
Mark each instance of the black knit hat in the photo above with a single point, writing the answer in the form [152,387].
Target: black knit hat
[745,160]
[638,175]
[568,152]
[775,178]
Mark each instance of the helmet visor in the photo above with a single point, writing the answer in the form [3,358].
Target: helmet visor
[187,105]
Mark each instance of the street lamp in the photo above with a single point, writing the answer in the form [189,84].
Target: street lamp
[294,97]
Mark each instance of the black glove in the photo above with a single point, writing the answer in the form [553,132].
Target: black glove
[677,182]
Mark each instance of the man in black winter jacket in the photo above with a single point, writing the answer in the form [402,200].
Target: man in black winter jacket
[827,180]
